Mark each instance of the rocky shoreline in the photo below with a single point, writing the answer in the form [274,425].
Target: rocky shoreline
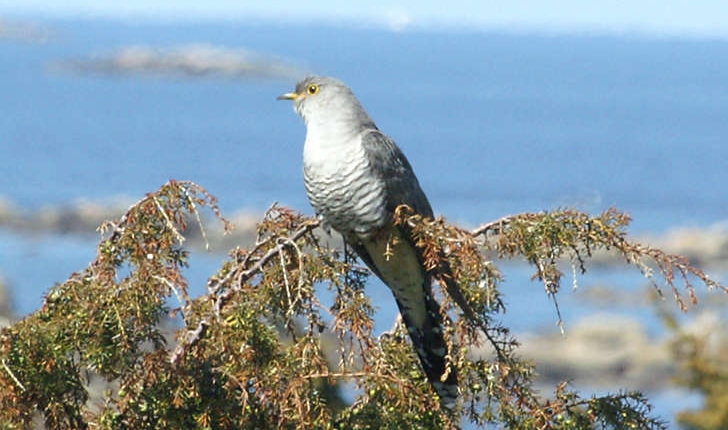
[83,218]
[706,247]
[192,61]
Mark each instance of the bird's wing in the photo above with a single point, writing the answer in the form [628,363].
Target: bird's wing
[419,309]
[389,163]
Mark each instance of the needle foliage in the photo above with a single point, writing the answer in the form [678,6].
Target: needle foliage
[260,350]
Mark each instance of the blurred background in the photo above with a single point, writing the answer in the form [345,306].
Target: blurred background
[501,109]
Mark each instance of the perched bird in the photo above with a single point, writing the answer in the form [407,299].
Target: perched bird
[355,177]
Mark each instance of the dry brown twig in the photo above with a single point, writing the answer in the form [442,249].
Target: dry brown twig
[241,273]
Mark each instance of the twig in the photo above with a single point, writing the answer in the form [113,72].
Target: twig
[182,297]
[271,253]
[299,284]
[361,374]
[291,302]
[171,226]
[119,320]
[211,201]
[552,287]
[194,336]
[500,223]
[199,221]
[560,322]
[12,375]
[119,227]
[395,325]
[191,339]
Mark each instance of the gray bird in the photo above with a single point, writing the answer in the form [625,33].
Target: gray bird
[355,177]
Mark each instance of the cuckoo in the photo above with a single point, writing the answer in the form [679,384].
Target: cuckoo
[355,176]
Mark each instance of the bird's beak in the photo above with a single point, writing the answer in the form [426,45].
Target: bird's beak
[288,96]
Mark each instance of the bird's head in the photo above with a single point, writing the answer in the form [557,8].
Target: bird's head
[320,99]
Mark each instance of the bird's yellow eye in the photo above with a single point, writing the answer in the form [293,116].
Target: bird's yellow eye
[312,89]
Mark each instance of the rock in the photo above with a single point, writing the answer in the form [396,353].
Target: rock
[604,350]
[84,218]
[194,60]
[6,313]
[703,246]
[23,31]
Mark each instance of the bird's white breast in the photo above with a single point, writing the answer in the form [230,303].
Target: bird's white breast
[341,184]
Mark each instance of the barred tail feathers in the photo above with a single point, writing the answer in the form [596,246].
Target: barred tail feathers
[429,342]
[397,263]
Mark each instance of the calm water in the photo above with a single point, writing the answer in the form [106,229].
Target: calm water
[493,124]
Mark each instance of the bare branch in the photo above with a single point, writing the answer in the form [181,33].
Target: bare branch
[241,274]
[12,375]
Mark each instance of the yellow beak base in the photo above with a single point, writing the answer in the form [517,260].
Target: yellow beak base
[288,96]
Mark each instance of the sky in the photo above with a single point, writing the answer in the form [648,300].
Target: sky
[689,18]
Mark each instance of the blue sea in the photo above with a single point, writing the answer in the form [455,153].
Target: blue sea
[494,123]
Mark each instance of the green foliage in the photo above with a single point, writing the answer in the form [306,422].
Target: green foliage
[259,350]
[703,359]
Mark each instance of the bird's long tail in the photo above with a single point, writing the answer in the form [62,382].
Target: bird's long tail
[429,342]
[399,265]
